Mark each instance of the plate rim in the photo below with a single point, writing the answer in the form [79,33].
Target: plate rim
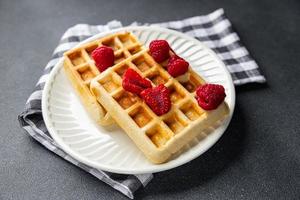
[155,168]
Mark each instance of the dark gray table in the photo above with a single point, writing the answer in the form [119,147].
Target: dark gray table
[257,158]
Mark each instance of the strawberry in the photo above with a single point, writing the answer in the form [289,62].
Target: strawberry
[104,57]
[158,99]
[210,96]
[133,82]
[159,50]
[177,66]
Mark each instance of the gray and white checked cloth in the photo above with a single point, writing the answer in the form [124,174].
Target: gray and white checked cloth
[214,30]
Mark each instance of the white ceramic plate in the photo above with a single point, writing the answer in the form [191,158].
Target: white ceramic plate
[110,148]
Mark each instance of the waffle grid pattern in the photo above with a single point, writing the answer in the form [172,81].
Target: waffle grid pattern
[184,108]
[81,68]
[80,61]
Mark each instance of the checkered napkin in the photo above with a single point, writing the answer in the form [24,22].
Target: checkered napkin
[214,30]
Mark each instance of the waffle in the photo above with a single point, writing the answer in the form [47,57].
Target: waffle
[80,69]
[158,137]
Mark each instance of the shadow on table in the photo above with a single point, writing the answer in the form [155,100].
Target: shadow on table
[250,87]
[210,164]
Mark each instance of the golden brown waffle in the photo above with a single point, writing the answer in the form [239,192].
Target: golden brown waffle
[158,137]
[80,68]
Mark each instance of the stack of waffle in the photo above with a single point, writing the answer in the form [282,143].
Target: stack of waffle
[158,137]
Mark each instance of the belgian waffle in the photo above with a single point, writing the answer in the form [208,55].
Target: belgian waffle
[158,137]
[80,68]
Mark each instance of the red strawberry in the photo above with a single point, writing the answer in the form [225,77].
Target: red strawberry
[133,82]
[104,57]
[177,66]
[159,50]
[210,96]
[158,99]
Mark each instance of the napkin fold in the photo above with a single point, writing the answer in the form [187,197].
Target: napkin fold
[214,30]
